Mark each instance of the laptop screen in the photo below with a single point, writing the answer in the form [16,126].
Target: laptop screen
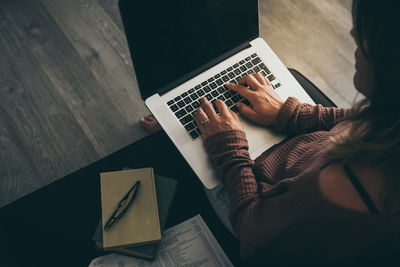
[170,39]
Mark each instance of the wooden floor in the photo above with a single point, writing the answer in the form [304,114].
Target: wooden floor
[68,94]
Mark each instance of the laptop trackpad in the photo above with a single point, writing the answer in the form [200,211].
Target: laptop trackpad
[260,138]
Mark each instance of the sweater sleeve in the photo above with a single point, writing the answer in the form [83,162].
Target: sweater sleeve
[228,152]
[297,118]
[263,215]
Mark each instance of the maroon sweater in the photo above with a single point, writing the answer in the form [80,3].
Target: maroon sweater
[277,208]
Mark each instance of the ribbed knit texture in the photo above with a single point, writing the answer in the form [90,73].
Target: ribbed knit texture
[277,208]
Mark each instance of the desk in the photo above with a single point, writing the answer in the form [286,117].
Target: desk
[57,221]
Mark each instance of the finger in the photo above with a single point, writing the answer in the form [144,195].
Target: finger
[208,109]
[247,111]
[222,108]
[199,117]
[251,81]
[243,91]
[260,78]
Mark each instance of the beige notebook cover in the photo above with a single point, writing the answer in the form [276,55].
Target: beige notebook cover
[140,225]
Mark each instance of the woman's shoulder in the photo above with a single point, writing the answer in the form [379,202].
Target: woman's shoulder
[336,186]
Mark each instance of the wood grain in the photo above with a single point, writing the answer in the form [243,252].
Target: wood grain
[68,94]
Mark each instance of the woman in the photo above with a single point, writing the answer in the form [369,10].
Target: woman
[331,192]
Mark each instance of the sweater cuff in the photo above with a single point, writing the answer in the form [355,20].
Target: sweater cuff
[285,113]
[233,136]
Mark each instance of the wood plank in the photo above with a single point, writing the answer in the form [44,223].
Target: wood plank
[51,97]
[313,37]
[102,45]
[111,8]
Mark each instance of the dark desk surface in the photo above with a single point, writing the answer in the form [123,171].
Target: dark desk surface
[56,223]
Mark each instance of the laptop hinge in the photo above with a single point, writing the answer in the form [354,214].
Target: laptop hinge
[203,68]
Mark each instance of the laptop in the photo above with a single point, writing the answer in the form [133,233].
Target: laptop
[184,50]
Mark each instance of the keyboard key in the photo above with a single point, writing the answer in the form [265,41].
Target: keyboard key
[209,97]
[194,96]
[271,77]
[177,98]
[214,93]
[243,68]
[236,65]
[189,127]
[235,109]
[256,69]
[204,83]
[187,100]
[231,75]
[211,79]
[174,108]
[277,85]
[263,73]
[237,71]
[229,69]
[191,91]
[189,108]
[247,58]
[241,62]
[200,92]
[180,113]
[264,68]
[169,103]
[247,102]
[197,87]
[229,103]
[181,104]
[217,76]
[184,94]
[253,55]
[227,95]
[196,104]
[236,98]
[256,61]
[225,78]
[223,72]
[221,97]
[213,85]
[221,90]
[194,134]
[207,89]
[249,65]
[186,119]
[219,82]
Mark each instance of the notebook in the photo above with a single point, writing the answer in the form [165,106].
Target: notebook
[140,225]
[165,188]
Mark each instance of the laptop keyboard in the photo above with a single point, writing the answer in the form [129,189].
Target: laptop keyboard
[185,105]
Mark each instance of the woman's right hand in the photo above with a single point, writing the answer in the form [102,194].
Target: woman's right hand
[264,100]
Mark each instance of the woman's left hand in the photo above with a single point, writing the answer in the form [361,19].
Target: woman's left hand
[210,123]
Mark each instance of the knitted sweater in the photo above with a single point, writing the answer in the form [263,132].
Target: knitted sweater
[277,208]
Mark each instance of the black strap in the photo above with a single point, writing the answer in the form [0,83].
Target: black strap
[360,189]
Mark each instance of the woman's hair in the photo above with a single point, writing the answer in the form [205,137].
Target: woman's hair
[374,137]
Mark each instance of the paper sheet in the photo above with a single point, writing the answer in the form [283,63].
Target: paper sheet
[187,244]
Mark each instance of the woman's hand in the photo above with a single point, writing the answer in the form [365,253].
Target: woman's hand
[264,100]
[210,123]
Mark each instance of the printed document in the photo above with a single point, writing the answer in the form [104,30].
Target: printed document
[190,243]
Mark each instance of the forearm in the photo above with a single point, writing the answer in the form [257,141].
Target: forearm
[229,154]
[298,118]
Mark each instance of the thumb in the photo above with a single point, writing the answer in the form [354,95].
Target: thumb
[247,111]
